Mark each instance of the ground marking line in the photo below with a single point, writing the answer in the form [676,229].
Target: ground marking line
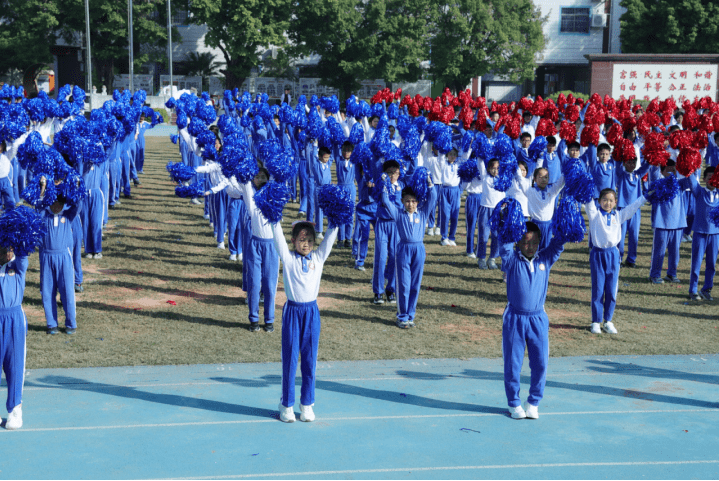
[250,382]
[456,468]
[354,418]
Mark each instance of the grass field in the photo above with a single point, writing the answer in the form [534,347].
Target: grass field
[158,248]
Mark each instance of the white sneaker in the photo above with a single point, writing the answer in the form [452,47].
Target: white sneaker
[14,419]
[609,328]
[212,225]
[195,201]
[595,328]
[287,415]
[472,255]
[437,231]
[445,242]
[233,257]
[98,255]
[307,415]
[88,256]
[453,243]
[221,245]
[206,216]
[531,410]
[430,231]
[239,257]
[517,413]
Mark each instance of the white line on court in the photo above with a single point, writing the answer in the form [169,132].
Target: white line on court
[456,468]
[356,418]
[90,385]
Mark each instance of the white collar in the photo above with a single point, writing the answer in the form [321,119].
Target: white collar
[528,261]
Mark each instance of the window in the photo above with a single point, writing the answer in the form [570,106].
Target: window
[181,13]
[575,20]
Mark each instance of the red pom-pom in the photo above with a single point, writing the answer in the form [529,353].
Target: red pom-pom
[479,103]
[714,179]
[413,109]
[595,99]
[654,151]
[624,150]
[419,100]
[688,161]
[700,140]
[503,110]
[629,124]
[539,107]
[512,126]
[610,103]
[580,103]
[447,114]
[570,99]
[681,139]
[669,105]
[590,135]
[715,122]
[561,101]
[525,103]
[376,98]
[594,115]
[571,113]
[398,94]
[568,131]
[495,107]
[427,104]
[615,134]
[705,123]
[481,123]
[653,106]
[551,111]
[545,127]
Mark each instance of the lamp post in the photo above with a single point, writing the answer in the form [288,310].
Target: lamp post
[88,60]
[169,42]
[129,27]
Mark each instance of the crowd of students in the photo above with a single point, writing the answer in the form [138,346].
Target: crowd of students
[401,168]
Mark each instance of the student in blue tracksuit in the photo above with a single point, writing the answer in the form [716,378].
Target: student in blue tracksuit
[668,221]
[140,150]
[449,198]
[551,161]
[490,198]
[56,265]
[365,216]
[93,211]
[471,209]
[600,165]
[305,149]
[521,151]
[13,331]
[261,258]
[706,237]
[629,189]
[346,181]
[525,322]
[541,199]
[411,255]
[605,228]
[385,237]
[7,195]
[302,272]
[321,169]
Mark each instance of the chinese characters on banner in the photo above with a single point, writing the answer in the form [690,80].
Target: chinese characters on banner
[681,81]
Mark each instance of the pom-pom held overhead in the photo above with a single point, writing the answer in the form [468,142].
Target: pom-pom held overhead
[568,222]
[714,216]
[356,133]
[714,180]
[23,229]
[507,221]
[688,160]
[271,200]
[665,189]
[191,191]
[468,170]
[336,204]
[579,183]
[419,184]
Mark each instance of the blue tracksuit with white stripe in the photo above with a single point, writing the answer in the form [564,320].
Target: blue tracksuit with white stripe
[706,237]
[525,321]
[56,266]
[629,189]
[410,257]
[346,181]
[13,328]
[385,243]
[140,148]
[365,215]
[93,212]
[321,175]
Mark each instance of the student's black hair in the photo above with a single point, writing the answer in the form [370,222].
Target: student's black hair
[670,163]
[606,191]
[521,163]
[708,170]
[372,118]
[493,112]
[214,129]
[492,161]
[573,144]
[262,170]
[390,164]
[347,145]
[3,146]
[536,171]
[603,146]
[525,113]
[408,191]
[323,150]
[217,137]
[551,140]
[454,149]
[674,128]
[276,117]
[678,112]
[532,227]
[525,134]
[303,225]
[343,111]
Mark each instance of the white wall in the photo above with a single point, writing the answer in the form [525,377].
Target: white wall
[193,40]
[617,12]
[563,48]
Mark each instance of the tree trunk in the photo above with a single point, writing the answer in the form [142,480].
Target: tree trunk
[232,81]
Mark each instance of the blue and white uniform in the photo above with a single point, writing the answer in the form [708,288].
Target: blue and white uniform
[471,208]
[449,198]
[706,237]
[629,188]
[490,198]
[410,256]
[365,215]
[13,326]
[385,243]
[525,322]
[605,230]
[321,175]
[94,205]
[540,203]
[346,181]
[300,314]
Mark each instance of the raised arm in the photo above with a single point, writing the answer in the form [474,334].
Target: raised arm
[591,210]
[324,249]
[627,212]
[431,202]
[389,205]
[280,243]
[557,187]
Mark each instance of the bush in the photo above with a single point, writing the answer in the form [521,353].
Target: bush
[577,95]
[165,115]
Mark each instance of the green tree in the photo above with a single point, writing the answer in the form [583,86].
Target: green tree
[27,33]
[473,38]
[240,29]
[362,39]
[670,26]
[201,64]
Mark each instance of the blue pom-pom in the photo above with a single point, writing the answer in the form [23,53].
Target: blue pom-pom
[380,143]
[393,111]
[314,101]
[351,106]
[537,148]
[29,150]
[281,164]
[171,103]
[36,110]
[93,152]
[418,183]
[507,169]
[271,200]
[503,146]
[174,138]
[412,143]
[180,172]
[364,109]
[336,132]
[330,104]
[579,183]
[73,189]
[325,138]
[23,229]
[191,191]
[356,133]
[31,192]
[314,125]
[714,216]
[181,120]
[237,160]
[568,222]
[508,223]
[467,140]
[665,189]
[468,170]
[206,138]
[482,148]
[196,127]
[362,155]
[336,204]
[378,110]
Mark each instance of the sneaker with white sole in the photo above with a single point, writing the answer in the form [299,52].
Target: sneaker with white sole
[88,256]
[445,242]
[596,329]
[233,257]
[706,295]
[609,328]
[472,255]
[453,243]
[287,415]
[14,419]
[430,231]
[517,413]
[482,264]
[531,410]
[307,415]
[221,245]
[97,256]
[239,257]
[491,264]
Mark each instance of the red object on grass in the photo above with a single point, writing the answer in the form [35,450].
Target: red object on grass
[172,303]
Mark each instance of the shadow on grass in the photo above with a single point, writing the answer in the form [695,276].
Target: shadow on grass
[378,394]
[76,384]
